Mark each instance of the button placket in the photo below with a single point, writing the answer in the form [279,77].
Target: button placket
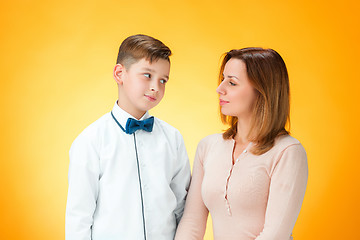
[241,156]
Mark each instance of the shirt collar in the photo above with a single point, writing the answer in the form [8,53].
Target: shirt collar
[122,116]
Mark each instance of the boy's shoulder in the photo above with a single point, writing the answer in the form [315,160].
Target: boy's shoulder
[91,133]
[171,133]
[165,126]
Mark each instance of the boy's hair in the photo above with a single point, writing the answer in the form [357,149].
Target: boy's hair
[137,47]
[268,75]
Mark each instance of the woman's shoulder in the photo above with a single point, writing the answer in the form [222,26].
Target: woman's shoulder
[212,139]
[210,145]
[287,142]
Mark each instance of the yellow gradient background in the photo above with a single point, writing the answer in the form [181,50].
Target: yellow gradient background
[56,66]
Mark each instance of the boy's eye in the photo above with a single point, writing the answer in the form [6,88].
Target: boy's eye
[163,81]
[147,75]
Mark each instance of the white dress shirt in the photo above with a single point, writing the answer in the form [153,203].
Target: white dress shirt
[122,185]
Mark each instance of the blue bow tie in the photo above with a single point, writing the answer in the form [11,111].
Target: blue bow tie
[132,125]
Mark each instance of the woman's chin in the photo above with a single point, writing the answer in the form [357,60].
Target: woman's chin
[227,113]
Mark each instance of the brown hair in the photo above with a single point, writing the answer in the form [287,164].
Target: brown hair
[137,47]
[267,73]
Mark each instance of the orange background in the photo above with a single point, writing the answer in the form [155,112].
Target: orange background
[56,66]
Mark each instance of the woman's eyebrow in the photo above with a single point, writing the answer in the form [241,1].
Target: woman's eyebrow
[231,76]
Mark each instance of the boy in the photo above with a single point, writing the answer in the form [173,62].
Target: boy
[129,172]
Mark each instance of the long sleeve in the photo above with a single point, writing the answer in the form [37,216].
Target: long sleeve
[83,189]
[181,179]
[287,190]
[193,223]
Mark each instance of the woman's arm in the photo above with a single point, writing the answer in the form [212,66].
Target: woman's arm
[287,190]
[193,223]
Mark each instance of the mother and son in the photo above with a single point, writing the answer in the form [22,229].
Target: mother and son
[129,174]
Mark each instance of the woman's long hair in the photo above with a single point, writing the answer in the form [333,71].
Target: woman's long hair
[267,73]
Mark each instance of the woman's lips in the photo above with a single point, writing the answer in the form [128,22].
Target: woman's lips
[222,102]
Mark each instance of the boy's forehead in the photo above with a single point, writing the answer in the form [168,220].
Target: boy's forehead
[146,62]
[159,65]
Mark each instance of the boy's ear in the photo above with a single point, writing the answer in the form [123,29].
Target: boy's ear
[118,73]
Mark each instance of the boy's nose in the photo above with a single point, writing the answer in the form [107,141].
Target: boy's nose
[154,87]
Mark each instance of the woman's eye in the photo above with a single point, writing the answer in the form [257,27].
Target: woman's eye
[147,75]
[232,84]
[163,81]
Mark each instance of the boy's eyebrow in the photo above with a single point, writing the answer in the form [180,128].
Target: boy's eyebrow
[151,70]
[148,69]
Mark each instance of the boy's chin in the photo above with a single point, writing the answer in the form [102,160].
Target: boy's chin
[149,107]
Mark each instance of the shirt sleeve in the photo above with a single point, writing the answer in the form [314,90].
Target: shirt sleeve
[180,182]
[83,189]
[286,193]
[193,223]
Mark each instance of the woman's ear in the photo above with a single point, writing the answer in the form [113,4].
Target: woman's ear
[118,73]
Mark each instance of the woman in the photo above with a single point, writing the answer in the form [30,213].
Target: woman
[252,178]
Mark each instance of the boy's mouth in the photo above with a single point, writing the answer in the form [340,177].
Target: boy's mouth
[150,98]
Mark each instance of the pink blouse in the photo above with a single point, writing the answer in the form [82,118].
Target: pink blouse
[258,197]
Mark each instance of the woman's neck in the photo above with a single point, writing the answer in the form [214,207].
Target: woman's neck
[243,128]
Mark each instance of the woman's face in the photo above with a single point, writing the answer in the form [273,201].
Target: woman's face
[236,94]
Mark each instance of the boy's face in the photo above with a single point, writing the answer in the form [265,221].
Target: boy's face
[142,85]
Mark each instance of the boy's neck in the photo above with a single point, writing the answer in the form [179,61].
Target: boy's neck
[134,114]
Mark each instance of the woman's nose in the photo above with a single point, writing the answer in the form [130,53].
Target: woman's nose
[220,89]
